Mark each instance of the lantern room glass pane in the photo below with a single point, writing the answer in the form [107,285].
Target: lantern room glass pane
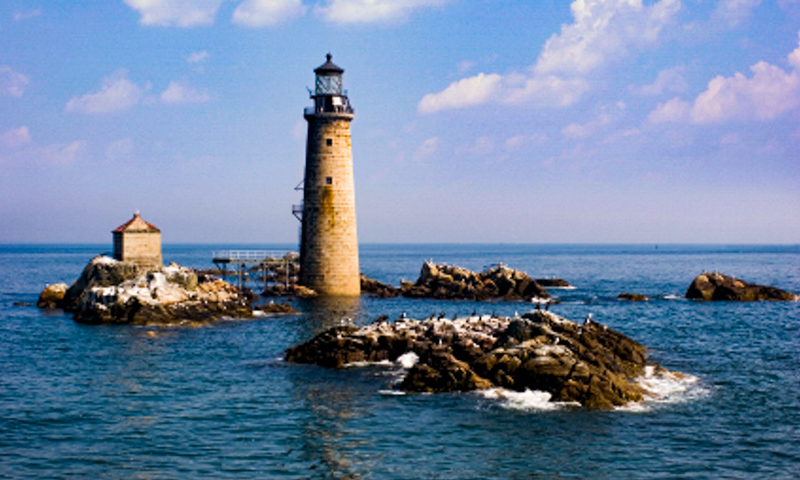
[329,85]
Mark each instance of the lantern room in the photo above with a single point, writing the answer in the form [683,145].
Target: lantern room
[329,95]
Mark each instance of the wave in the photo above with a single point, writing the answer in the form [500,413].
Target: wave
[661,387]
[664,387]
[527,400]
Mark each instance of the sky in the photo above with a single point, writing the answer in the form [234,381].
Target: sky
[488,121]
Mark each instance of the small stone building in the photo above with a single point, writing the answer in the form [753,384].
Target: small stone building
[138,241]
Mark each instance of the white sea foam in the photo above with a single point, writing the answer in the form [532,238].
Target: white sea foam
[383,363]
[392,393]
[672,297]
[408,359]
[665,387]
[527,400]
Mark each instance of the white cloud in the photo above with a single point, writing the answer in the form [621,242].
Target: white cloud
[794,57]
[367,11]
[463,93]
[428,149]
[61,154]
[465,66]
[176,13]
[670,80]
[483,146]
[608,115]
[512,89]
[543,90]
[261,13]
[603,31]
[673,111]
[179,93]
[198,57]
[768,93]
[577,131]
[116,94]
[734,12]
[27,15]
[15,138]
[12,83]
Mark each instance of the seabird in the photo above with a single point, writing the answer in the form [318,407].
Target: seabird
[588,320]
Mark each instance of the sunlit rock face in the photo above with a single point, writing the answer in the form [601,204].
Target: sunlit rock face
[112,291]
[718,286]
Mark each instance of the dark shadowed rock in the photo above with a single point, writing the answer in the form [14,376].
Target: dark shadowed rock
[377,289]
[588,363]
[718,286]
[273,308]
[633,297]
[554,283]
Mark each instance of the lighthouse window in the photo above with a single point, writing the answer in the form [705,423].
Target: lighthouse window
[329,142]
[329,180]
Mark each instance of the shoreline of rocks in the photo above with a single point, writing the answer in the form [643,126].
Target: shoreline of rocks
[586,363]
[110,291]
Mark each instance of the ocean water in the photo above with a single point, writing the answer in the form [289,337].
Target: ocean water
[120,402]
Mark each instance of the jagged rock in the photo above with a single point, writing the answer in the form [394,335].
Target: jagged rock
[111,291]
[718,286]
[452,282]
[588,363]
[633,297]
[303,292]
[52,296]
[377,289]
[554,283]
[273,308]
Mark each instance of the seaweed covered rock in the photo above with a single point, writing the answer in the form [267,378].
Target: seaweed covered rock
[587,363]
[112,291]
[718,286]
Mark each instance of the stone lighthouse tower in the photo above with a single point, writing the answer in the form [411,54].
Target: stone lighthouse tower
[329,243]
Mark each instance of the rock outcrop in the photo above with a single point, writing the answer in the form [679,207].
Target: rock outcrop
[111,291]
[633,297]
[452,282]
[554,283]
[273,308]
[52,296]
[718,286]
[378,289]
[587,363]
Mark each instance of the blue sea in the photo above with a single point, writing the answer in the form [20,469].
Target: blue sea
[218,402]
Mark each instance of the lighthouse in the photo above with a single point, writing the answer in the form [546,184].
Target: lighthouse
[329,242]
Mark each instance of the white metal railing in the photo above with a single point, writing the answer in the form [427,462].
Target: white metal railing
[247,255]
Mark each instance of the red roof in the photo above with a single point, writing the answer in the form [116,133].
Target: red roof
[136,224]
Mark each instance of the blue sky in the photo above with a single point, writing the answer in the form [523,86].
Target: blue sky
[669,121]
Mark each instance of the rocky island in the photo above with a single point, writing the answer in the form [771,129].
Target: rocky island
[120,292]
[451,282]
[587,363]
[718,286]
